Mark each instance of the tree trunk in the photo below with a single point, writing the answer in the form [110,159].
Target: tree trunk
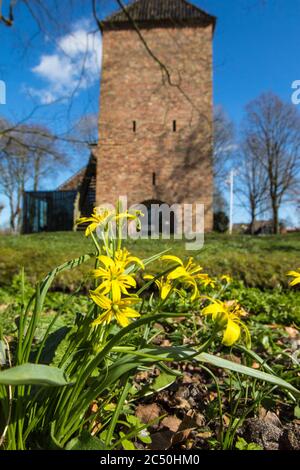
[12,216]
[275,221]
[252,227]
[36,176]
[253,218]
[19,206]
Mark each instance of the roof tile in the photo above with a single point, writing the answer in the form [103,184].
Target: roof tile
[152,11]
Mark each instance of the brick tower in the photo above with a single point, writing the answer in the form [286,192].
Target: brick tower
[155,128]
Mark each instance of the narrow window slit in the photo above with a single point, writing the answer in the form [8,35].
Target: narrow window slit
[174,126]
[154,179]
[134,126]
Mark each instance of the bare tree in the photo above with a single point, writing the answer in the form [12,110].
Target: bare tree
[272,132]
[44,154]
[13,176]
[252,182]
[223,140]
[87,128]
[27,154]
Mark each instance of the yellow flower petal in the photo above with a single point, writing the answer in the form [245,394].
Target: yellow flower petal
[231,333]
[105,317]
[177,273]
[226,278]
[115,291]
[124,315]
[91,228]
[165,290]
[130,313]
[296,275]
[172,258]
[101,300]
[99,272]
[107,261]
[103,288]
[214,309]
[293,273]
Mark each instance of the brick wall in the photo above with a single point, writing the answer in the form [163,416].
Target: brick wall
[133,88]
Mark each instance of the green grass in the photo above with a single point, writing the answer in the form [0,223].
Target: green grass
[257,261]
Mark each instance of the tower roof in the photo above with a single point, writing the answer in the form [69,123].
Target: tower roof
[153,12]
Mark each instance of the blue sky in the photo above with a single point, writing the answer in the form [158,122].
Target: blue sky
[256,49]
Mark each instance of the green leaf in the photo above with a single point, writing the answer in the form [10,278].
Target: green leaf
[126,444]
[85,442]
[241,444]
[146,261]
[74,263]
[297,412]
[257,374]
[33,374]
[144,436]
[51,344]
[2,353]
[163,381]
[153,258]
[117,338]
[129,363]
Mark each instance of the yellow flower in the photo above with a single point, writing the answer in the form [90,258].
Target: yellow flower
[102,216]
[127,215]
[115,308]
[206,280]
[227,315]
[296,275]
[164,285]
[113,274]
[99,217]
[123,256]
[226,278]
[187,274]
[130,217]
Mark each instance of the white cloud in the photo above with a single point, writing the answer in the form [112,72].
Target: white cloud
[73,66]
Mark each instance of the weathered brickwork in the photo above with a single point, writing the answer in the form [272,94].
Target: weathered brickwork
[156,162]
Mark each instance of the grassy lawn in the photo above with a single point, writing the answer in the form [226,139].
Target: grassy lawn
[258,261]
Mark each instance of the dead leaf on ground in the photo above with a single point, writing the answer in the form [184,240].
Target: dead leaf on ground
[255,365]
[182,403]
[273,419]
[147,413]
[212,396]
[200,420]
[142,376]
[158,326]
[172,423]
[164,440]
[204,434]
[292,332]
[233,358]
[187,379]
[262,412]
[226,420]
[161,440]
